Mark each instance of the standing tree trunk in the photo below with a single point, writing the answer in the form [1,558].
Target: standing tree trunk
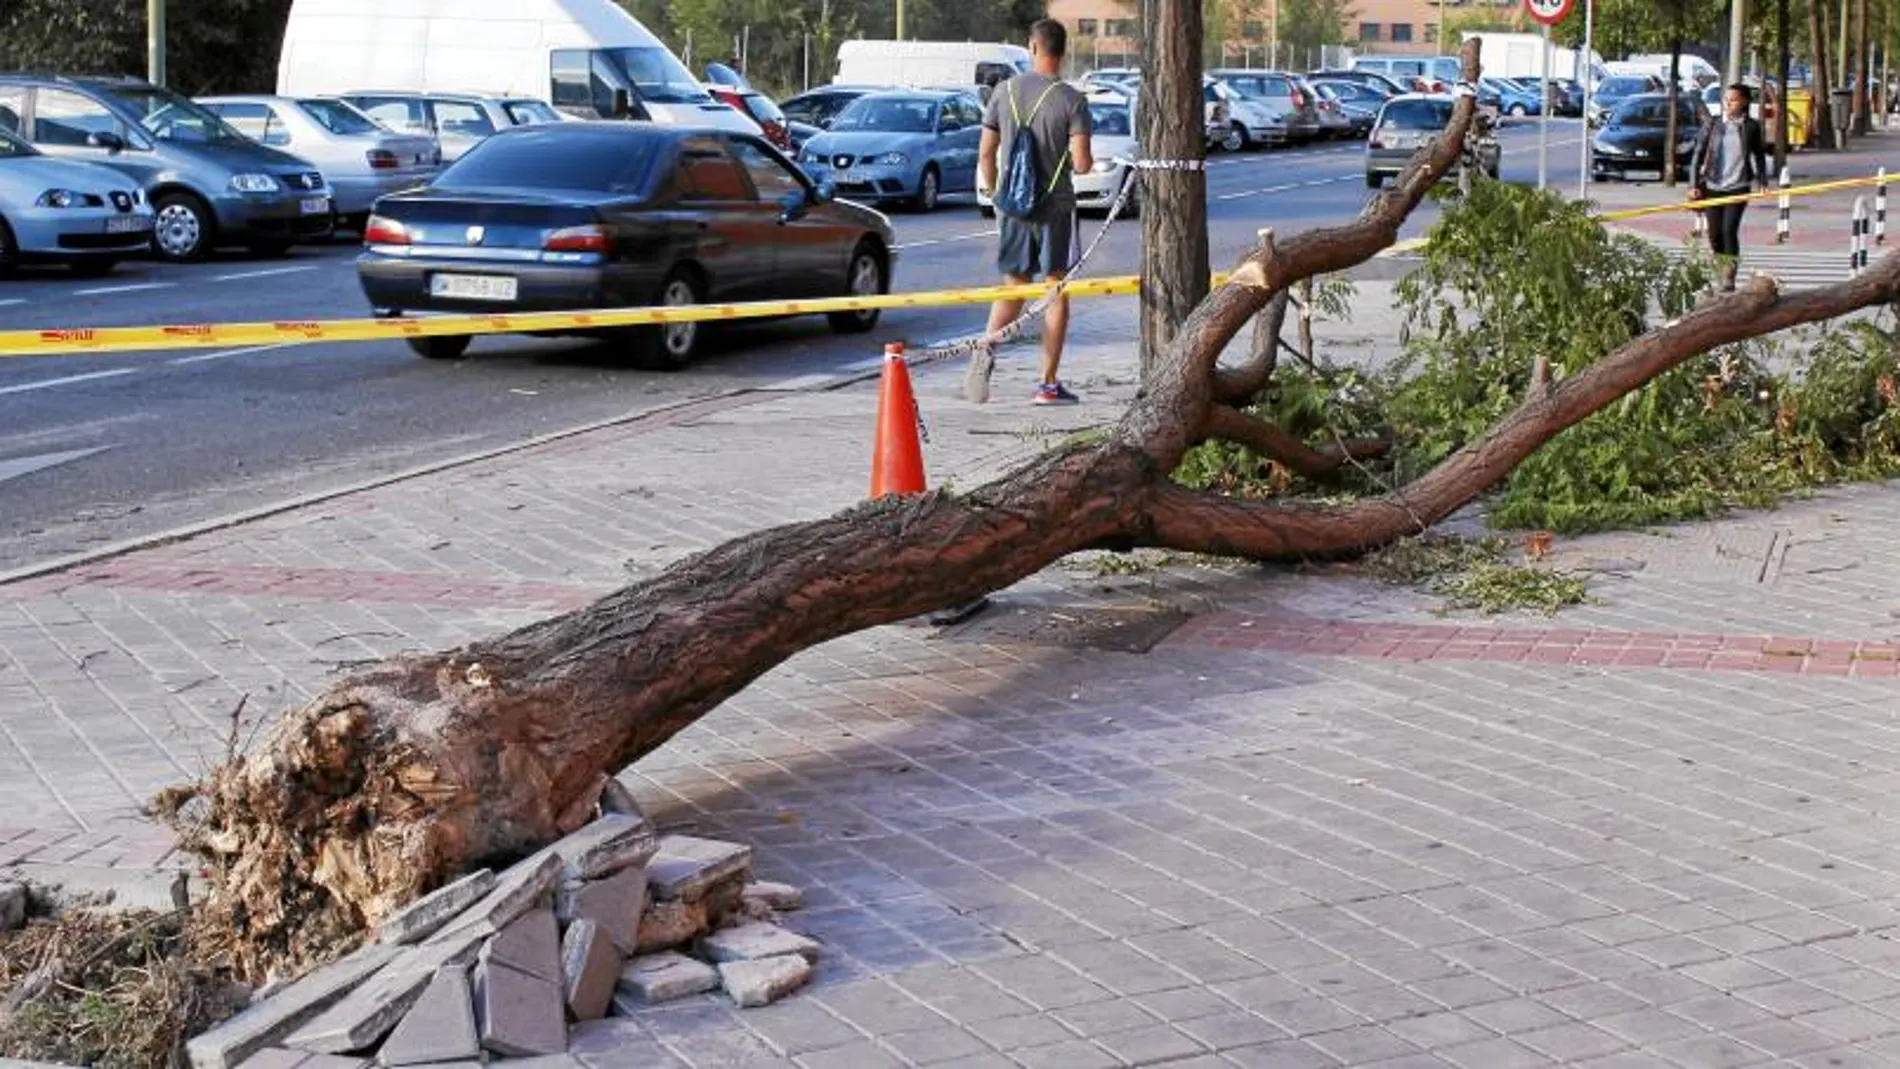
[1821,125]
[1669,123]
[1784,49]
[1863,70]
[1174,256]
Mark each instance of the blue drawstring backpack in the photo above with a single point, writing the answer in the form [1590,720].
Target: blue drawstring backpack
[1022,189]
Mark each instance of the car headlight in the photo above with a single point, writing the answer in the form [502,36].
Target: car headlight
[891,159]
[811,157]
[1605,147]
[61,198]
[254,183]
[1104,166]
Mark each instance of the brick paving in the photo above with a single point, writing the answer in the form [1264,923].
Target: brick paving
[1317,824]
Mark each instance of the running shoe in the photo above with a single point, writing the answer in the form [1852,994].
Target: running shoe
[1054,393]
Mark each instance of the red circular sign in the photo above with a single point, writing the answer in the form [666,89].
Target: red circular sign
[1548,12]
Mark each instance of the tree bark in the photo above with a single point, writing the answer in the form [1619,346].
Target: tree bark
[1821,126]
[1171,110]
[1669,123]
[1784,48]
[421,767]
[1863,67]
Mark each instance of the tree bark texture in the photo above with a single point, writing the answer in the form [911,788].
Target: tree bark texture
[1784,49]
[1863,71]
[421,767]
[1171,113]
[1669,122]
[1821,127]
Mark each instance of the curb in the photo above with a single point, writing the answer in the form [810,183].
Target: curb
[729,399]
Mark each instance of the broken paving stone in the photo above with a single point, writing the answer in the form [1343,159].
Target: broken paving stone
[531,943]
[615,903]
[763,982]
[428,914]
[663,977]
[666,925]
[12,906]
[614,842]
[686,867]
[440,1027]
[518,1015]
[779,897]
[369,1012]
[616,798]
[276,1058]
[755,942]
[265,1023]
[591,966]
[518,890]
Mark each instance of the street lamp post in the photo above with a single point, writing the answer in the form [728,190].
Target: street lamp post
[900,20]
[155,41]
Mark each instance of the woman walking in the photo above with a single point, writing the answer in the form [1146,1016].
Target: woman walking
[1731,159]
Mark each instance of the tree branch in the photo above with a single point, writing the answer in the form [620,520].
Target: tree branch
[1241,384]
[1321,464]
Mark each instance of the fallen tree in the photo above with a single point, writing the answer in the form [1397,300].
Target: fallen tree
[419,767]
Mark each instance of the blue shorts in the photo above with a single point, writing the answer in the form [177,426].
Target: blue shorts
[1037,248]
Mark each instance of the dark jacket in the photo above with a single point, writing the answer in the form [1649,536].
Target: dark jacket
[1754,151]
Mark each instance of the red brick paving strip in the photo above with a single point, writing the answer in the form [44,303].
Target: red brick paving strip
[1552,646]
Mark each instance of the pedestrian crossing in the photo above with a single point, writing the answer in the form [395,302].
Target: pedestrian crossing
[1793,269]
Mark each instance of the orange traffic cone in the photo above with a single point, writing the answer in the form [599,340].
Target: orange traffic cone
[897,461]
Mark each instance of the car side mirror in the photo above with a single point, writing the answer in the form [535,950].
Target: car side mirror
[793,206]
[107,140]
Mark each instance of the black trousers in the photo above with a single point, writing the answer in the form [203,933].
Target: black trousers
[1725,222]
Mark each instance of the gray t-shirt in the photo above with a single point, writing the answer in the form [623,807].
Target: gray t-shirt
[1731,155]
[1063,114]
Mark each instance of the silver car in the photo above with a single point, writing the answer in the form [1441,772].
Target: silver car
[208,184]
[80,214]
[361,159]
[459,121]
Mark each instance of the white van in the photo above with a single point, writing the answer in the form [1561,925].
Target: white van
[1694,71]
[589,58]
[929,64]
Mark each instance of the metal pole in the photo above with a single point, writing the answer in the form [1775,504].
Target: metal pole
[807,61]
[1880,207]
[1784,205]
[1856,245]
[1584,79]
[900,20]
[1737,33]
[155,41]
[1543,124]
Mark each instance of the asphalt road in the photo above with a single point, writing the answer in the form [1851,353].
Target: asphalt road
[98,449]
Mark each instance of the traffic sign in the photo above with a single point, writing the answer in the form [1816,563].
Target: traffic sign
[1548,12]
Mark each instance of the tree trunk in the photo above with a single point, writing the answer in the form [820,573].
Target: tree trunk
[1821,126]
[420,767]
[1784,48]
[1174,256]
[1863,68]
[1669,123]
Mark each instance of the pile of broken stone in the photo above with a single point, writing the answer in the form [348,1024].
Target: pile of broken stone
[611,918]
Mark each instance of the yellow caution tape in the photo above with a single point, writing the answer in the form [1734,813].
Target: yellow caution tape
[1743,198]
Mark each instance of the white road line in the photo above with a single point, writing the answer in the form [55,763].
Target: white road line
[68,380]
[945,241]
[1269,190]
[202,358]
[100,291]
[11,301]
[266,273]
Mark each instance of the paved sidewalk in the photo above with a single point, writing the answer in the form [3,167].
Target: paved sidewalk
[1201,816]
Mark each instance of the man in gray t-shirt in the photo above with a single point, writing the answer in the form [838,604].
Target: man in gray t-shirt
[1044,246]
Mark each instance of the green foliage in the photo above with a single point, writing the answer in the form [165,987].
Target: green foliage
[1511,278]
[1308,24]
[213,46]
[1474,573]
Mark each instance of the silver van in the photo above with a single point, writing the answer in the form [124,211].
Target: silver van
[209,184]
[1439,72]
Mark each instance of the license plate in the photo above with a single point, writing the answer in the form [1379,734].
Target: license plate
[854,178]
[316,206]
[128,224]
[474,287]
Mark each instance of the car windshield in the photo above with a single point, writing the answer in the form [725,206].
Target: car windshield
[530,112]
[338,117]
[1622,86]
[762,108]
[1111,120]
[1648,111]
[902,115]
[550,158]
[169,117]
[1418,114]
[656,75]
[11,146]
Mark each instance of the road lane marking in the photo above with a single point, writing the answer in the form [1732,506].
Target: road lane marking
[48,384]
[865,365]
[11,301]
[269,273]
[224,354]
[135,287]
[945,241]
[18,466]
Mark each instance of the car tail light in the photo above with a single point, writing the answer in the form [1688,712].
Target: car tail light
[381,159]
[579,239]
[384,231]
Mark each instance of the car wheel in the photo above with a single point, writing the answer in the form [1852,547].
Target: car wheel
[1374,181]
[1236,138]
[442,347]
[9,251]
[928,187]
[1518,111]
[93,266]
[184,229]
[866,279]
[270,249]
[672,347]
